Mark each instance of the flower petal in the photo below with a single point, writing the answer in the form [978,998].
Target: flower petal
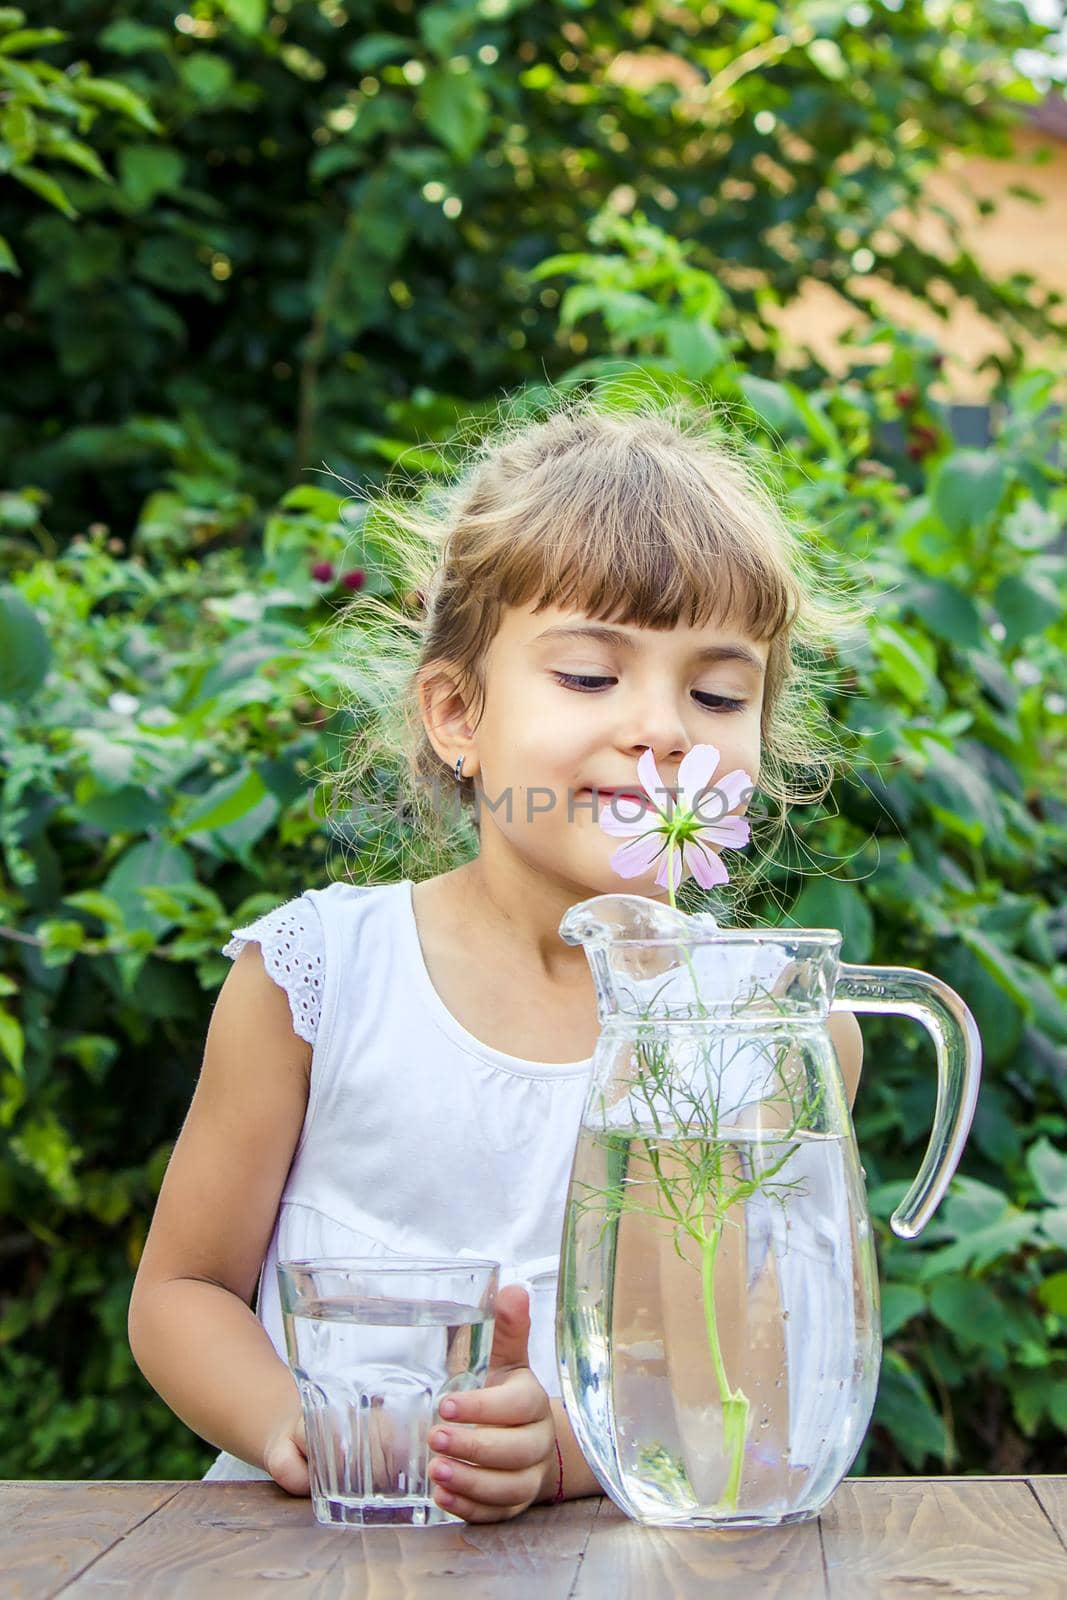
[732,832]
[623,816]
[696,772]
[707,868]
[653,784]
[630,860]
[724,796]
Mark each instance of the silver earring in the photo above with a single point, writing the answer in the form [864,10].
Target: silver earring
[459,768]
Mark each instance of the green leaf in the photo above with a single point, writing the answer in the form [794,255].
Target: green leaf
[971,1205]
[904,1408]
[18,128]
[118,97]
[249,15]
[695,346]
[369,52]
[968,488]
[61,147]
[25,654]
[773,405]
[457,110]
[128,38]
[12,1041]
[958,794]
[8,263]
[969,1309]
[900,1302]
[946,611]
[820,429]
[826,902]
[44,1145]
[1027,603]
[999,963]
[94,1052]
[46,187]
[1054,1226]
[909,661]
[127,809]
[987,1227]
[1057,1405]
[30,39]
[208,77]
[152,861]
[1052,1293]
[1048,1168]
[110,761]
[223,803]
[147,171]
[98,905]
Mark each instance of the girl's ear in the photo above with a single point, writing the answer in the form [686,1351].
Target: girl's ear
[446,718]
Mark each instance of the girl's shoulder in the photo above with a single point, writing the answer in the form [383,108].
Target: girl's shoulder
[293,941]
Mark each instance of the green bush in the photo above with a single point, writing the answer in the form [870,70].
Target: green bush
[251,238]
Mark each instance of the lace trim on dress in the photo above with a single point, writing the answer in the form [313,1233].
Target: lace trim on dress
[291,940]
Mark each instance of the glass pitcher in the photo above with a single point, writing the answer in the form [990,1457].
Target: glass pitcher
[718,1327]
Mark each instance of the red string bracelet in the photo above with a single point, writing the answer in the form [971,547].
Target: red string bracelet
[559,1486]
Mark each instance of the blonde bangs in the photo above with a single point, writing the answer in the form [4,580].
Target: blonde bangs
[635,526]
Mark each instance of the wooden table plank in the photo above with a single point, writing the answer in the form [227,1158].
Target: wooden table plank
[1051,1494]
[879,1539]
[625,1559]
[227,1540]
[52,1531]
[986,1538]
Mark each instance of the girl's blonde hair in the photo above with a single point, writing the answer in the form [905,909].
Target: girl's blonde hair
[638,515]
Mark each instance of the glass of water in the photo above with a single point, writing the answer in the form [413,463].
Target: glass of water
[375,1344]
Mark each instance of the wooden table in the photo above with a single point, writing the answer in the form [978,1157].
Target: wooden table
[888,1538]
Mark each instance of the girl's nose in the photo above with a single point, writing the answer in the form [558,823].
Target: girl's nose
[668,741]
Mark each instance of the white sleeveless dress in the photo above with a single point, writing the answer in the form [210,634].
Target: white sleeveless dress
[418,1138]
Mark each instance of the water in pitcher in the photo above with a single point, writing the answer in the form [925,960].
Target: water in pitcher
[720,1339]
[372,1373]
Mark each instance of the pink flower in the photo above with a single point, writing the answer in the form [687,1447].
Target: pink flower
[688,823]
[322,571]
[354,579]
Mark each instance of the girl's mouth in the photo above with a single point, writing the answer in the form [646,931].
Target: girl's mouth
[605,796]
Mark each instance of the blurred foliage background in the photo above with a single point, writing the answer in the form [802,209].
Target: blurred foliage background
[249,246]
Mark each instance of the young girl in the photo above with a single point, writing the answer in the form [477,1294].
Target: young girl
[400,1067]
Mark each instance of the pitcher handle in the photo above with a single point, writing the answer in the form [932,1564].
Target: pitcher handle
[949,1021]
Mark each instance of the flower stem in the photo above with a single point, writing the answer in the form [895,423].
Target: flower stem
[735,1403]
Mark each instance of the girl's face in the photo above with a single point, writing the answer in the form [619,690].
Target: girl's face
[564,713]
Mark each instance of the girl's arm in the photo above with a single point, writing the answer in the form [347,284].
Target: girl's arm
[578,1479]
[191,1327]
[848,1042]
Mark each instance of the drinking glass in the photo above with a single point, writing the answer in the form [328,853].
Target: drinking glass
[375,1344]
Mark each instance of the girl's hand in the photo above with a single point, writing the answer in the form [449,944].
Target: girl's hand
[496,1454]
[286,1456]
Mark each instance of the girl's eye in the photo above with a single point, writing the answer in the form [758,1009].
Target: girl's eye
[590,685]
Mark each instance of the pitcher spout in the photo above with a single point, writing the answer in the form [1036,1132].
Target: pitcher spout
[608,918]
